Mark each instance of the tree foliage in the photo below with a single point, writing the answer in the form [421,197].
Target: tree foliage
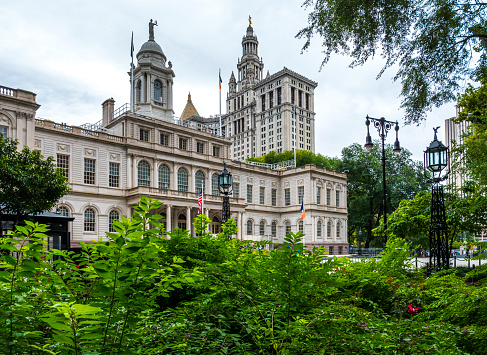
[469,162]
[303,157]
[412,219]
[431,42]
[226,296]
[29,184]
[404,178]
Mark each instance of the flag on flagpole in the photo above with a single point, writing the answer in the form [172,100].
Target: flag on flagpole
[303,212]
[132,46]
[220,79]
[200,201]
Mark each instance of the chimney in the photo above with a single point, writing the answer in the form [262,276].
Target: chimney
[108,107]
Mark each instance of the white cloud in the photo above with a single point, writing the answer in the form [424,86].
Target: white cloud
[75,55]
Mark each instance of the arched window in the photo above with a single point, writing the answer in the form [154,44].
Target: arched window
[328,230]
[318,229]
[301,226]
[182,221]
[164,177]
[143,173]
[199,180]
[215,225]
[288,227]
[89,220]
[138,92]
[215,189]
[250,227]
[112,216]
[274,229]
[157,90]
[262,228]
[182,180]
[338,230]
[63,211]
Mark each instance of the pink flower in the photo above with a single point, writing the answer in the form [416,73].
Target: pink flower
[412,310]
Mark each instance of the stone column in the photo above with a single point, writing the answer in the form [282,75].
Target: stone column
[188,220]
[239,222]
[169,93]
[128,170]
[134,172]
[168,218]
[334,230]
[149,88]
[143,88]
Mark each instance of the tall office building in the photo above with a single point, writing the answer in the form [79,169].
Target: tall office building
[260,110]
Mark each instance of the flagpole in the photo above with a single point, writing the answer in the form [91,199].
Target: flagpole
[220,85]
[132,75]
[295,131]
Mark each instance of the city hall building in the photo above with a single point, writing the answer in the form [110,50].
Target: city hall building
[111,164]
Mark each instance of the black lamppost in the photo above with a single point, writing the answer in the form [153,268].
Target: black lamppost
[435,160]
[360,241]
[382,127]
[225,184]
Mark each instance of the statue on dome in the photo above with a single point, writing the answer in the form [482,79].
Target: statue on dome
[151,29]
[250,21]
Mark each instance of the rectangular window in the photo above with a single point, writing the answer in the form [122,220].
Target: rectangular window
[216,151]
[328,197]
[4,132]
[200,147]
[114,175]
[144,135]
[249,193]
[262,195]
[274,230]
[300,98]
[279,96]
[236,189]
[292,95]
[287,197]
[183,143]
[300,194]
[63,164]
[330,248]
[318,195]
[274,197]
[164,139]
[89,171]
[307,101]
[338,198]
[263,102]
[271,99]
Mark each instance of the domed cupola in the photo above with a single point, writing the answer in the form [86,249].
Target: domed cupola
[153,81]
[150,49]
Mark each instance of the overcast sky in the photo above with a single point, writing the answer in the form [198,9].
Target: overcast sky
[76,54]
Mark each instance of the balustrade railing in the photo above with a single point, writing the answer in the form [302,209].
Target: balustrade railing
[7,91]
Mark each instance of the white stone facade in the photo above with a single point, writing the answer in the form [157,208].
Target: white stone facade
[112,164]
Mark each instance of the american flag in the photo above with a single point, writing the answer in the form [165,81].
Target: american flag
[200,201]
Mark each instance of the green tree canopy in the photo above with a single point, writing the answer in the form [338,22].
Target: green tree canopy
[469,161]
[303,157]
[404,178]
[29,184]
[431,42]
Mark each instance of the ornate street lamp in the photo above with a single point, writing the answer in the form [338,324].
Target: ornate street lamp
[360,241]
[382,127]
[435,160]
[225,184]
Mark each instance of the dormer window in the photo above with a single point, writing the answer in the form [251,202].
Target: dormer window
[157,90]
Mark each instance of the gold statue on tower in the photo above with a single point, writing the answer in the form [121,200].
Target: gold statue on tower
[250,21]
